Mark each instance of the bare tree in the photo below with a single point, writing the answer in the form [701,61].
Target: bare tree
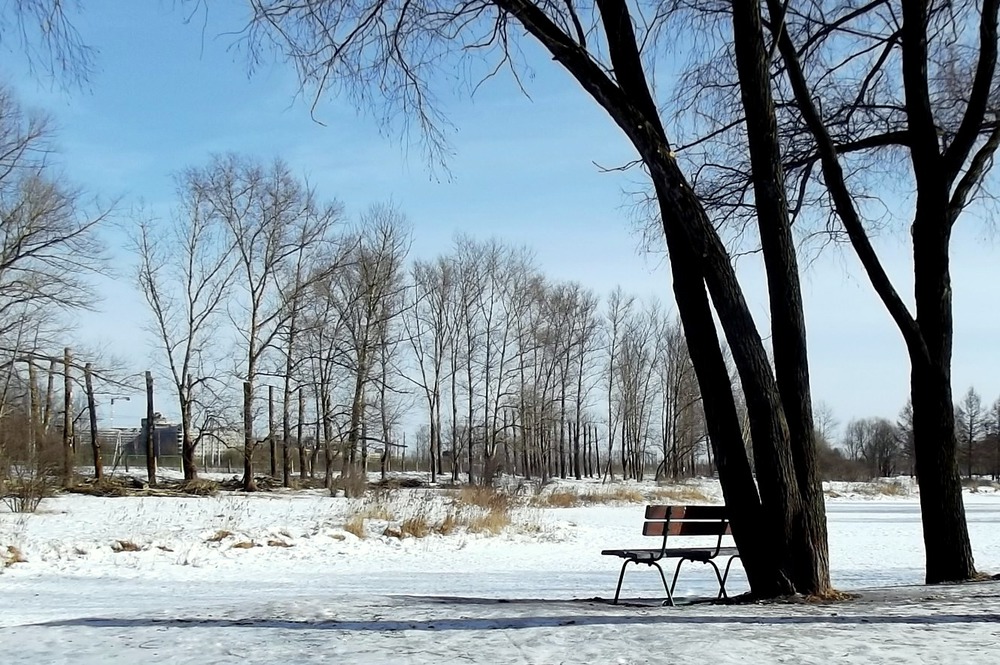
[49,241]
[269,216]
[618,309]
[47,38]
[906,92]
[185,272]
[430,331]
[369,296]
[971,422]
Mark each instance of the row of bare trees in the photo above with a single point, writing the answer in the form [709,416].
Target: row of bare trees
[506,363]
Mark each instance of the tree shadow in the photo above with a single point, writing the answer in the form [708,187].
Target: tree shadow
[520,622]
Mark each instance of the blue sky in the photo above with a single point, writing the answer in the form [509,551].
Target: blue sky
[166,95]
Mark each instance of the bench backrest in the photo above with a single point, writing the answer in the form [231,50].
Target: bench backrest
[677,521]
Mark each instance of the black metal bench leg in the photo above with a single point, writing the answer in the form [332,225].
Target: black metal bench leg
[621,576]
[673,583]
[722,580]
[670,595]
[728,564]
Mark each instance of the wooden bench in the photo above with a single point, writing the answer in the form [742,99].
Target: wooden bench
[673,522]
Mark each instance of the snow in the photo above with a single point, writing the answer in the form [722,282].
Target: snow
[275,577]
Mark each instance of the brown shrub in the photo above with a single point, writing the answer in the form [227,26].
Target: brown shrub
[353,484]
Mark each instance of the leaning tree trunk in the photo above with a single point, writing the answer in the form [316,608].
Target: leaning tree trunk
[722,420]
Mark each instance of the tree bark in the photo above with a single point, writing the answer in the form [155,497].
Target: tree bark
[249,484]
[68,462]
[791,363]
[150,432]
[95,443]
[272,443]
[299,425]
[188,443]
[946,534]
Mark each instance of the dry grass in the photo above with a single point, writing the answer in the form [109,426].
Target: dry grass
[493,522]
[125,546]
[376,511]
[11,556]
[893,488]
[680,494]
[244,545]
[200,487]
[614,495]
[415,527]
[557,499]
[487,497]
[356,525]
[278,543]
[562,498]
[448,525]
[218,536]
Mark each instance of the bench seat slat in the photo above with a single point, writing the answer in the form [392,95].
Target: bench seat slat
[655,555]
[717,528]
[685,512]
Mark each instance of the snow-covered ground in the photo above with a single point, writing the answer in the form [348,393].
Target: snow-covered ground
[277,578]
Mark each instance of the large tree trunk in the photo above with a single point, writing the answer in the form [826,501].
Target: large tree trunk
[722,418]
[946,534]
[791,363]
